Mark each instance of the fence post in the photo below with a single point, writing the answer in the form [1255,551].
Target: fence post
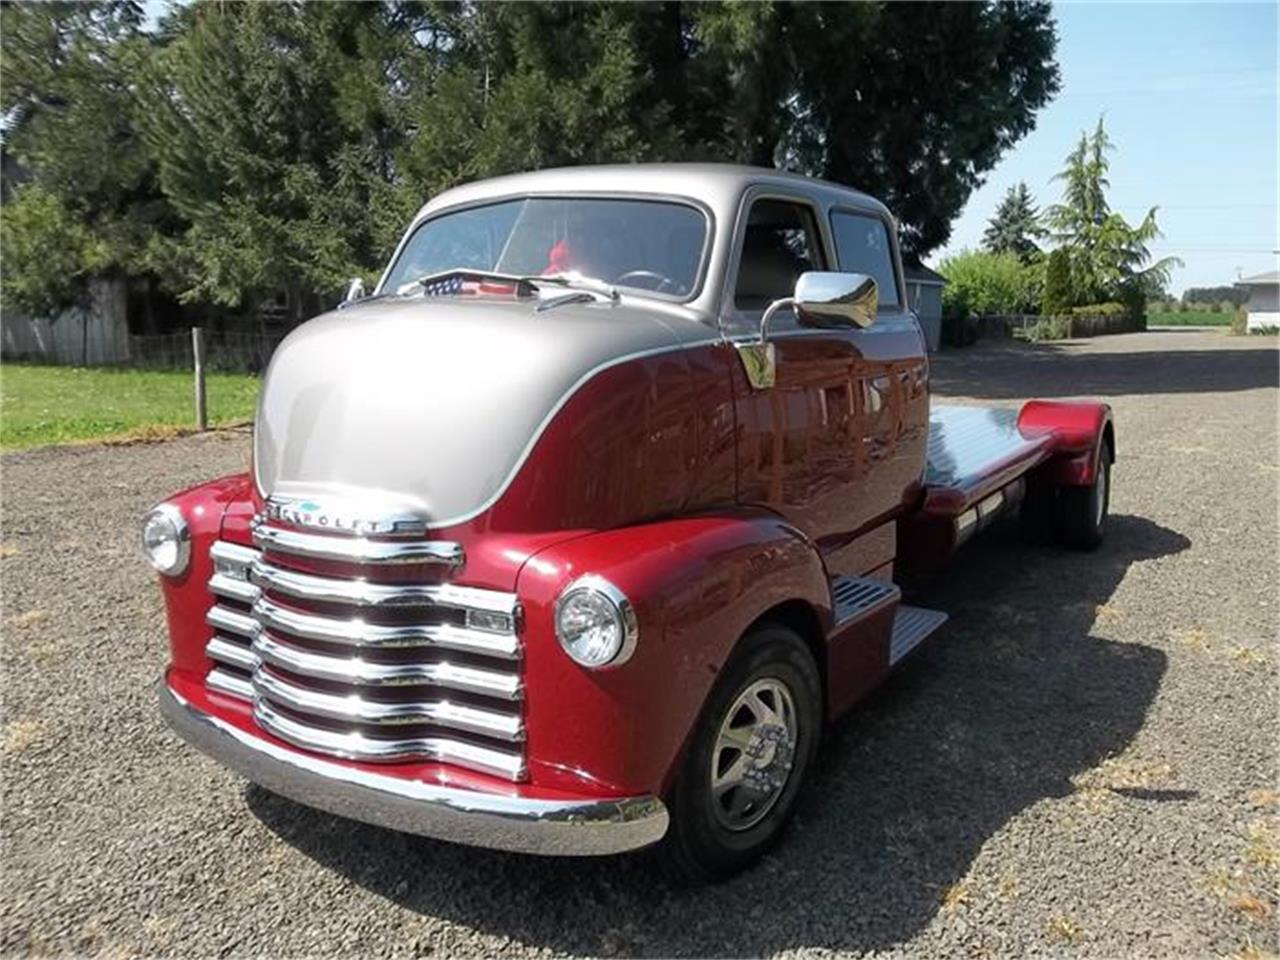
[197,353]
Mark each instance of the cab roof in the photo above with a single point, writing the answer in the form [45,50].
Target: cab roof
[716,185]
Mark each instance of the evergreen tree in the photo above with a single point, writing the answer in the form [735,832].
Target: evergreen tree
[1016,225]
[1109,259]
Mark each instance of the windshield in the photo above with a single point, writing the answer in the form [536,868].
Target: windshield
[645,245]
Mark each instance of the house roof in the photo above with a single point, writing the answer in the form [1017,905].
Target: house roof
[922,274]
[1261,280]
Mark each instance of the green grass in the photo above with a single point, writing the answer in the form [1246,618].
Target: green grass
[41,405]
[1189,318]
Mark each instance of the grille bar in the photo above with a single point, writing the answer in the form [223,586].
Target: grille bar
[355,632]
[224,681]
[357,549]
[358,746]
[231,653]
[356,709]
[231,621]
[355,670]
[299,646]
[362,593]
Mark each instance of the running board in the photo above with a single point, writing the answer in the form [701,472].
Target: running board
[853,597]
[911,626]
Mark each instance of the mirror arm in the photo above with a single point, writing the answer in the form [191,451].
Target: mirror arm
[770,311]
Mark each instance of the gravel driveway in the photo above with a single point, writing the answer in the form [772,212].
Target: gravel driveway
[1084,764]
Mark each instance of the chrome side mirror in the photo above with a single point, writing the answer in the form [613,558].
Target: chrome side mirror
[822,299]
[836,300]
[355,291]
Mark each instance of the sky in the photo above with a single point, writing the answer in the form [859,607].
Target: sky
[1189,93]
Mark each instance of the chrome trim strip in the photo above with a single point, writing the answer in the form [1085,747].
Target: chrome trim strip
[229,683]
[232,553]
[355,632]
[232,621]
[352,708]
[365,594]
[231,653]
[503,821]
[352,745]
[356,549]
[233,589]
[355,670]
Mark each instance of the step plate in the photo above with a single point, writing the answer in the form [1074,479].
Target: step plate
[911,627]
[854,596]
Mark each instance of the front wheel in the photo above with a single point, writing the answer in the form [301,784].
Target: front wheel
[755,739]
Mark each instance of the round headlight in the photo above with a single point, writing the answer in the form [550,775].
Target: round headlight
[596,623]
[166,540]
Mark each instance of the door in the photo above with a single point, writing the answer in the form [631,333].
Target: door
[838,442]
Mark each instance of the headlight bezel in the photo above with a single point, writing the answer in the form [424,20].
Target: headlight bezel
[180,537]
[623,614]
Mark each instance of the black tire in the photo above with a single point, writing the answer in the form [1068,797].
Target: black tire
[1082,511]
[699,845]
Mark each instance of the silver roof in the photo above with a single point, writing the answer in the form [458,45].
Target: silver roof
[717,185]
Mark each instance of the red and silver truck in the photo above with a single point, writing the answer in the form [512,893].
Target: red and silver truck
[573,535]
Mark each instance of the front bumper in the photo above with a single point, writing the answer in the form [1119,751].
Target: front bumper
[572,827]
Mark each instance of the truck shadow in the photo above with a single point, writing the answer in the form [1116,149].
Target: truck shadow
[1014,699]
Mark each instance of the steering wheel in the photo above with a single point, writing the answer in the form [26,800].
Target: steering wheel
[663,282]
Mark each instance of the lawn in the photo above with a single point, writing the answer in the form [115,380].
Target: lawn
[1188,318]
[41,405]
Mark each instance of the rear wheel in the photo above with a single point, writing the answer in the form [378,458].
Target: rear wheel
[755,740]
[1082,511]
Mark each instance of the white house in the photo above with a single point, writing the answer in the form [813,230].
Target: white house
[1263,306]
[924,296]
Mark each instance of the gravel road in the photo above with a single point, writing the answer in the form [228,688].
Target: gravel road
[1085,763]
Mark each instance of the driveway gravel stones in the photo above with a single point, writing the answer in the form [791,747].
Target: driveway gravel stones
[1083,764]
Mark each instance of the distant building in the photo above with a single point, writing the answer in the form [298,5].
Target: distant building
[924,296]
[1263,305]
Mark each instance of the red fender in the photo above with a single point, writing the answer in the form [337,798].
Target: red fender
[696,585]
[186,602]
[1078,428]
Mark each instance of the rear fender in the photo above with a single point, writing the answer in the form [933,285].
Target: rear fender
[1078,429]
[696,585]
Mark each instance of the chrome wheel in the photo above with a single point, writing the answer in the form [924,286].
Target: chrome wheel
[1100,495]
[753,754]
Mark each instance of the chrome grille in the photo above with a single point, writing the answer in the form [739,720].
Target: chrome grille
[362,669]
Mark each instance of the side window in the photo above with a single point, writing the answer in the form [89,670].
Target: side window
[862,244]
[781,242]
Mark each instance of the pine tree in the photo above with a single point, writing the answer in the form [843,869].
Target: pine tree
[1109,259]
[1016,226]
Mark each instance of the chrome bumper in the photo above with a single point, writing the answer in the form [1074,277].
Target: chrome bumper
[584,827]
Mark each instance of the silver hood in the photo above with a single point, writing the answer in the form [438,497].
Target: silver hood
[427,407]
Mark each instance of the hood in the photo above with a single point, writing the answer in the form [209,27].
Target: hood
[425,409]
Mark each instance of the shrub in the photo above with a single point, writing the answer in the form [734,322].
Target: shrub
[1100,310]
[987,283]
[1049,328]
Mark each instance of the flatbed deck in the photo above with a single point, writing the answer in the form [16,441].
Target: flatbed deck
[974,451]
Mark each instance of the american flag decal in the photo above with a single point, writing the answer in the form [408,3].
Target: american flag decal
[462,283]
[448,287]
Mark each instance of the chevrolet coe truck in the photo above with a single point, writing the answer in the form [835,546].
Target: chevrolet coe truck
[573,534]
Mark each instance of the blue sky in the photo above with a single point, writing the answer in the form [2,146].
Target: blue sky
[1189,92]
